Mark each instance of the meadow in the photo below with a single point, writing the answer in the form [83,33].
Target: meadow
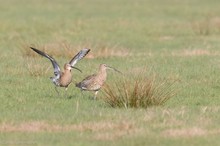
[175,39]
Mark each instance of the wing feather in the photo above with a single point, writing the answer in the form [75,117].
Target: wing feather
[56,67]
[86,83]
[79,56]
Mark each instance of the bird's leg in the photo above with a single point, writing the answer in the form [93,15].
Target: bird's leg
[66,91]
[57,91]
[96,92]
[82,93]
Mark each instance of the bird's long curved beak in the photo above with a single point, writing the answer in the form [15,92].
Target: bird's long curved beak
[114,69]
[76,68]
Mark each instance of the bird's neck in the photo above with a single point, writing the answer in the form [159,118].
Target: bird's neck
[102,73]
[66,71]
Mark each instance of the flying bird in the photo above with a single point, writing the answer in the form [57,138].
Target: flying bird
[63,79]
[94,82]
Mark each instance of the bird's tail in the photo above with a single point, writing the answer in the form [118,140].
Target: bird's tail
[78,85]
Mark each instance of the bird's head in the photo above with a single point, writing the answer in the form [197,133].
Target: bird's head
[105,66]
[67,66]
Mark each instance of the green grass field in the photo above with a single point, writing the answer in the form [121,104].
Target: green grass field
[175,39]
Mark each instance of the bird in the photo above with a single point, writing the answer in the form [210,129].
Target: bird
[63,79]
[94,82]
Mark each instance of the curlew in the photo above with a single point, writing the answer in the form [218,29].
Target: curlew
[63,79]
[94,82]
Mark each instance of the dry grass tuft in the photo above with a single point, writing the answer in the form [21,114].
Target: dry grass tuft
[103,130]
[107,51]
[195,52]
[67,50]
[201,27]
[54,49]
[140,91]
[38,126]
[206,26]
[185,132]
[35,68]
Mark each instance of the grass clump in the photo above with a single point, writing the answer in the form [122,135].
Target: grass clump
[62,49]
[67,50]
[141,91]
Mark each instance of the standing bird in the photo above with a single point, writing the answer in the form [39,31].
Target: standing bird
[63,79]
[96,81]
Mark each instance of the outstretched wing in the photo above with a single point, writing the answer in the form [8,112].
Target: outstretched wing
[56,67]
[79,56]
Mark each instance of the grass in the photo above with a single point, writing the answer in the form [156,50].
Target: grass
[140,90]
[178,40]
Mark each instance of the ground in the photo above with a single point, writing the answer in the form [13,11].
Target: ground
[178,40]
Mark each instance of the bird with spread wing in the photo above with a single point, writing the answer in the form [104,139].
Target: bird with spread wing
[63,79]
